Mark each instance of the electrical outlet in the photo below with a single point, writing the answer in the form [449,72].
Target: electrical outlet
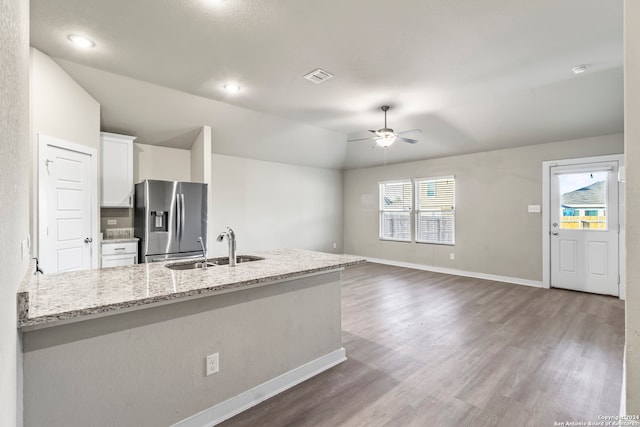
[112,221]
[452,256]
[533,208]
[335,245]
[213,364]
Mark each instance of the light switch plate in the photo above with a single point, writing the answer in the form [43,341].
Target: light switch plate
[533,209]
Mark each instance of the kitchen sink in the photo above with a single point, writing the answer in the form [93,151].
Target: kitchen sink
[189,265]
[212,262]
[239,259]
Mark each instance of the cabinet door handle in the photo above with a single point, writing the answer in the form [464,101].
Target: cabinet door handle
[119,249]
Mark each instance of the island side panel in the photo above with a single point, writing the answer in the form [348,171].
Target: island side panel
[147,367]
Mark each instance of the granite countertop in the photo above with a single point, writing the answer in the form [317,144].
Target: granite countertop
[52,299]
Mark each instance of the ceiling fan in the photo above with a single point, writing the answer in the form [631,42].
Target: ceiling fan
[385,137]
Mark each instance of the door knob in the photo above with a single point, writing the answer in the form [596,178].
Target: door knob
[88,240]
[555,233]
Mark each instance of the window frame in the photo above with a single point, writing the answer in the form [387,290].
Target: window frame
[381,211]
[417,210]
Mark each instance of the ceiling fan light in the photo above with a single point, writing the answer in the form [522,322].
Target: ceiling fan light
[386,140]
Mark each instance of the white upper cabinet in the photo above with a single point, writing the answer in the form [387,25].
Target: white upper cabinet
[117,170]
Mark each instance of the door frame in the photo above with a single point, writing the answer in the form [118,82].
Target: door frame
[546,213]
[43,142]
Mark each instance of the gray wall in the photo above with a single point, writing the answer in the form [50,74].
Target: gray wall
[494,232]
[156,162]
[147,368]
[274,205]
[60,108]
[632,186]
[14,192]
[201,156]
[201,166]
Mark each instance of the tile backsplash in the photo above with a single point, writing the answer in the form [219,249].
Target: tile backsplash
[118,233]
[115,218]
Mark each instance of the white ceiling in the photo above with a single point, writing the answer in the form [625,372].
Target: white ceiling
[473,75]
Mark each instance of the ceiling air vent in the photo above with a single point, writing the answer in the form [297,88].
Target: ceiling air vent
[318,76]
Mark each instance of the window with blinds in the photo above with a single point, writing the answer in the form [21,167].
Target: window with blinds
[395,210]
[435,204]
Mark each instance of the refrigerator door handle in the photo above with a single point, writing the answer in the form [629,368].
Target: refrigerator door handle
[178,215]
[182,215]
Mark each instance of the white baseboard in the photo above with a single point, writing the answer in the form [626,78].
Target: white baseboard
[227,409]
[453,271]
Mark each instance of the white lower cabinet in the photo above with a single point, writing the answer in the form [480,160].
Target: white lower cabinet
[118,254]
[118,260]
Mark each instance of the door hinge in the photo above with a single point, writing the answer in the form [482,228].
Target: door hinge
[618,228]
[618,279]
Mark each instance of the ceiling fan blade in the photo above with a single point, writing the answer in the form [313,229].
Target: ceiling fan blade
[361,139]
[373,131]
[410,141]
[407,132]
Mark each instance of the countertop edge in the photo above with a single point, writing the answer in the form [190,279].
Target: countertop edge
[26,324]
[22,295]
[120,240]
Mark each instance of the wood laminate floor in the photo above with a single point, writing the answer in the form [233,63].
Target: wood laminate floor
[429,349]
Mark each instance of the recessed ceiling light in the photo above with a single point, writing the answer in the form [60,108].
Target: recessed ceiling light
[579,69]
[232,87]
[80,41]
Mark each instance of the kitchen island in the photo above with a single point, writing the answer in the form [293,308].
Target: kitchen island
[128,345]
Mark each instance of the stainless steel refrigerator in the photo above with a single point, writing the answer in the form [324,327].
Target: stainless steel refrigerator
[169,218]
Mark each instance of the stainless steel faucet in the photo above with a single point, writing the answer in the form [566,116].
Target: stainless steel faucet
[231,238]
[204,253]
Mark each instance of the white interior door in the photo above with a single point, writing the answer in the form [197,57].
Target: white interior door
[65,196]
[584,227]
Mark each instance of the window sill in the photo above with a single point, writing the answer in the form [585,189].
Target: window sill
[394,240]
[436,243]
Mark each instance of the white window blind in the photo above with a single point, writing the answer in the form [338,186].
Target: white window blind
[395,210]
[435,205]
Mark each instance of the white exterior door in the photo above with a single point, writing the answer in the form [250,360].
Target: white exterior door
[584,227]
[65,224]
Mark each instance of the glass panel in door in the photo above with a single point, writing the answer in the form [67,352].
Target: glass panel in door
[583,200]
